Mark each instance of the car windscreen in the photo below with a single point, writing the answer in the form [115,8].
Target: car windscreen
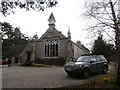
[83,59]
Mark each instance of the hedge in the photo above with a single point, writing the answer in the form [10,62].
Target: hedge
[51,61]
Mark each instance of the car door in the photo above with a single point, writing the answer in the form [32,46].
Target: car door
[93,64]
[99,63]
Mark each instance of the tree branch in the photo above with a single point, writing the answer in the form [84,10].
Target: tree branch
[40,5]
[101,21]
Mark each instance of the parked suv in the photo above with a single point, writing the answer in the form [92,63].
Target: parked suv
[87,64]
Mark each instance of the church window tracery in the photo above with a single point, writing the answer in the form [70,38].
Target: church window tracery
[51,48]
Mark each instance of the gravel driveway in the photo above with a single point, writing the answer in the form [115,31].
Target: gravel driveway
[36,77]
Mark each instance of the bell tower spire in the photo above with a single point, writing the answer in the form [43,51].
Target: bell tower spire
[51,20]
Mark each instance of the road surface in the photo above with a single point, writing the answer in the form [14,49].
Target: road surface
[37,77]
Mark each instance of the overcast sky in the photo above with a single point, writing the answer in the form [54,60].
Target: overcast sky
[68,13]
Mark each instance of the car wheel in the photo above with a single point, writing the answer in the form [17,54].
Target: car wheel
[86,73]
[105,70]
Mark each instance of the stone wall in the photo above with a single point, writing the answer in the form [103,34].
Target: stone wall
[77,51]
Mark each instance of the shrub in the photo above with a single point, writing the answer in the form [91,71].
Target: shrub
[38,61]
[51,61]
[106,80]
[27,63]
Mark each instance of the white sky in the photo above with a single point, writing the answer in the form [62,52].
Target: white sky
[68,13]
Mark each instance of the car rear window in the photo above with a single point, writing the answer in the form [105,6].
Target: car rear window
[102,57]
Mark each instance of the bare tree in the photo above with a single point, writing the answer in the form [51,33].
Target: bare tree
[8,6]
[106,18]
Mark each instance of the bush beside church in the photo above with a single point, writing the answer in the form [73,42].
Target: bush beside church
[51,61]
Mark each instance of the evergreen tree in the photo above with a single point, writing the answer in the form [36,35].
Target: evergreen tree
[11,36]
[102,48]
[106,14]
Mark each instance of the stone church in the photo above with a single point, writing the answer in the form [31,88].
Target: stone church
[53,44]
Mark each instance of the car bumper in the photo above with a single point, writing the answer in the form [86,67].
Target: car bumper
[73,70]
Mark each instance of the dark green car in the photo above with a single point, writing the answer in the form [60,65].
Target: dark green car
[85,65]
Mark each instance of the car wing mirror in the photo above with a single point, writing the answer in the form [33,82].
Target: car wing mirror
[72,60]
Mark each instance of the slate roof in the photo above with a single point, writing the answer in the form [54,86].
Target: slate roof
[81,46]
[52,33]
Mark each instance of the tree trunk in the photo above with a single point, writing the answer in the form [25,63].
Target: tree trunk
[117,42]
[118,68]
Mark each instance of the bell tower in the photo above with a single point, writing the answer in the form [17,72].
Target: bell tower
[51,20]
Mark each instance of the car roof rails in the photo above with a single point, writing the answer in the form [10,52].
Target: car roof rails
[91,55]
[86,54]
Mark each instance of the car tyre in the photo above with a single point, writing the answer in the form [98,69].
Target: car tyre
[86,73]
[105,70]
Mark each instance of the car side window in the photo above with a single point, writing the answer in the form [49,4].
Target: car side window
[102,57]
[93,59]
[98,58]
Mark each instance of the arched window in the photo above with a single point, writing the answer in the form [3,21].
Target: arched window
[51,48]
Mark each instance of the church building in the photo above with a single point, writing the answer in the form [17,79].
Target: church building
[53,44]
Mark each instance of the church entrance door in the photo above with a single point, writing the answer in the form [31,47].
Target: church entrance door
[28,55]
